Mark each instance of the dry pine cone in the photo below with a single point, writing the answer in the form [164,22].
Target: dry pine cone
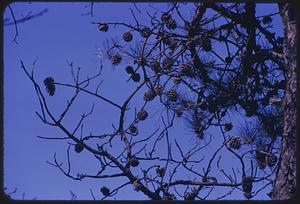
[172,95]
[103,27]
[234,142]
[127,37]
[50,87]
[149,95]
[159,89]
[116,59]
[142,115]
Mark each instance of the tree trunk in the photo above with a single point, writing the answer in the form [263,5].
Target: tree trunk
[285,183]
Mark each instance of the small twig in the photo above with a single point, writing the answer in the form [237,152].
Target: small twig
[53,138]
[15,23]
[92,194]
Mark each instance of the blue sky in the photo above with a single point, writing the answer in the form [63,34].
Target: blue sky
[60,36]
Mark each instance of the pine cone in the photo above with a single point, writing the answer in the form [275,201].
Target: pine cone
[171,24]
[145,32]
[134,162]
[165,17]
[177,80]
[173,45]
[133,129]
[184,70]
[159,89]
[247,184]
[136,77]
[189,196]
[129,70]
[149,95]
[178,113]
[160,171]
[234,142]
[197,40]
[228,60]
[103,27]
[169,196]
[261,165]
[166,40]
[105,191]
[248,140]
[172,95]
[271,160]
[50,87]
[137,185]
[142,115]
[116,59]
[155,66]
[266,20]
[160,35]
[79,147]
[261,159]
[127,37]
[228,127]
[167,63]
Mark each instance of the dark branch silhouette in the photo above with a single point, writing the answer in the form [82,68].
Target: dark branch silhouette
[222,60]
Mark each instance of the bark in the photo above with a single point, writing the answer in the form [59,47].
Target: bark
[285,183]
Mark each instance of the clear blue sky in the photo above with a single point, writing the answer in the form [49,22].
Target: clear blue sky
[61,35]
